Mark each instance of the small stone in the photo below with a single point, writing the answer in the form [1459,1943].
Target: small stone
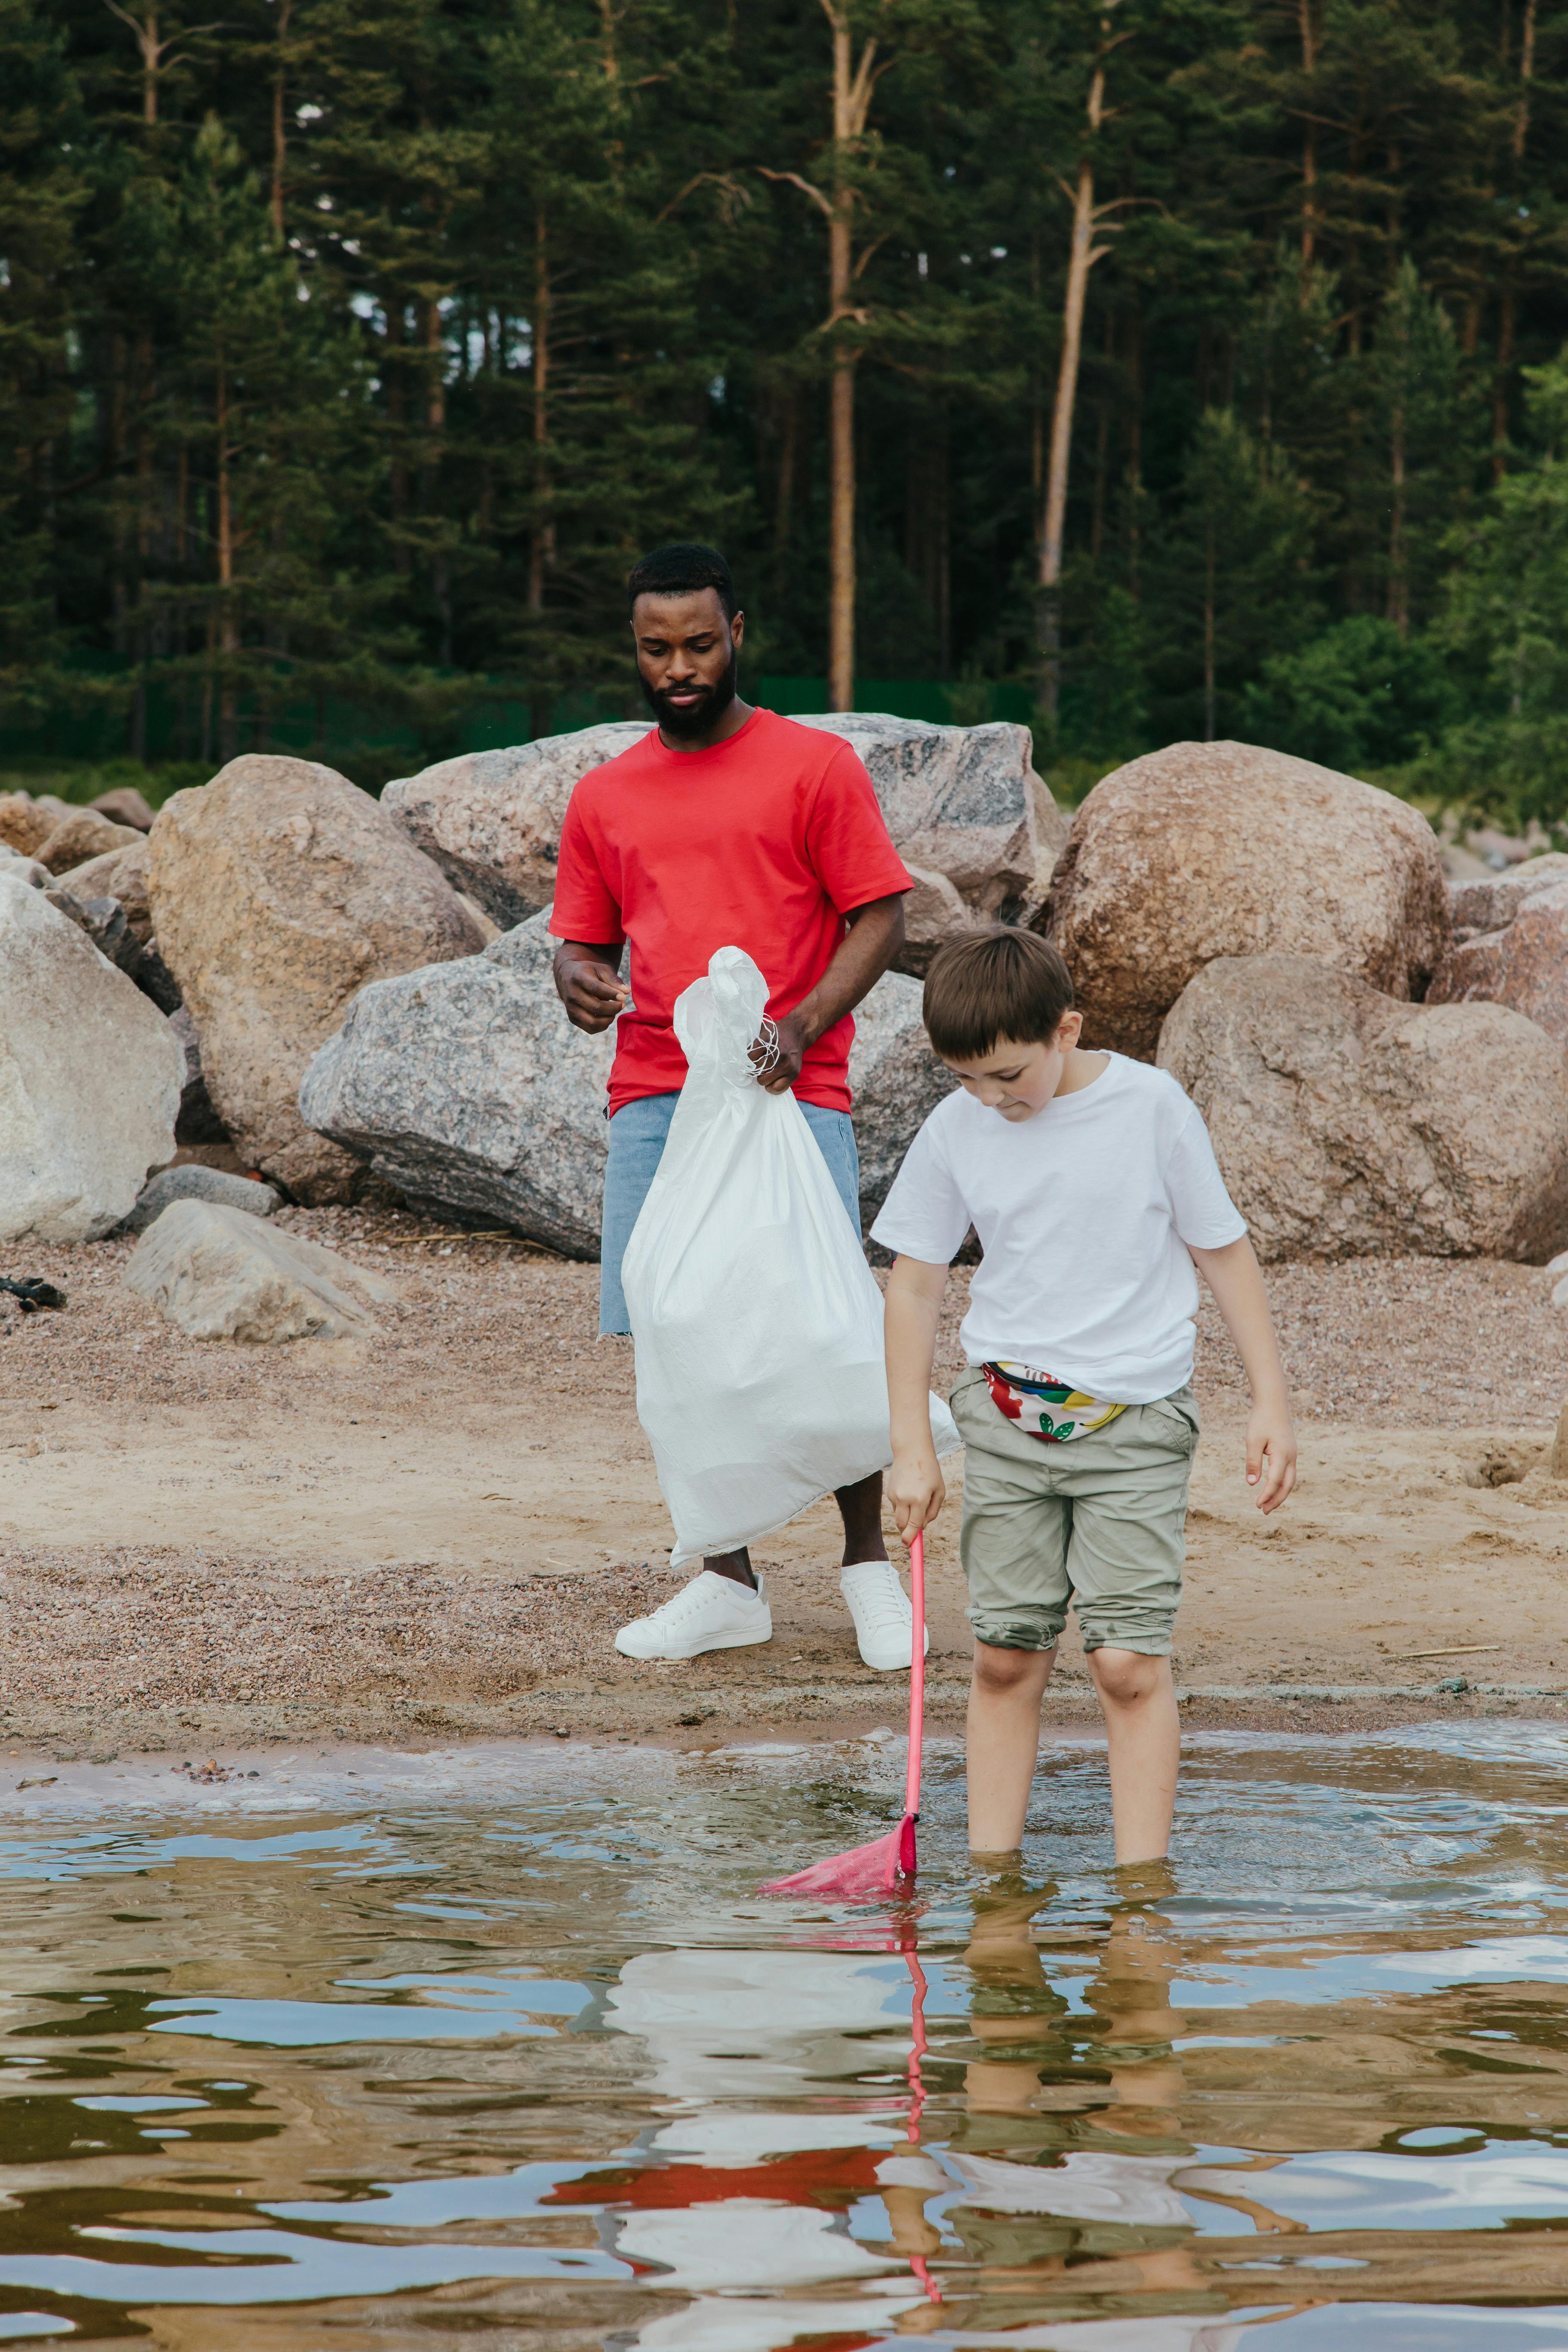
[27,823]
[1560,1294]
[193,1182]
[24,869]
[119,874]
[81,836]
[217,1273]
[125,805]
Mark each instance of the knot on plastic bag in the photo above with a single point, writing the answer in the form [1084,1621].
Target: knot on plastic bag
[718,1020]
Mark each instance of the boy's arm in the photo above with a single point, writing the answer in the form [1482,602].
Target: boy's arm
[1234,1276]
[915,1488]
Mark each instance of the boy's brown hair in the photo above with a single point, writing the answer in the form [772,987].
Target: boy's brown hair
[996,984]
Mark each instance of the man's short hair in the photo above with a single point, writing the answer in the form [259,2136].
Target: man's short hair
[682,569]
[1001,982]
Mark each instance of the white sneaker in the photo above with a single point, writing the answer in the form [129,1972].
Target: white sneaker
[712,1612]
[884,1621]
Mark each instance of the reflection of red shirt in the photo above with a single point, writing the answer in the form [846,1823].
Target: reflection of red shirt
[762,842]
[832,2177]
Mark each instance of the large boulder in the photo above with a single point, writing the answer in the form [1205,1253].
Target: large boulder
[468,1089]
[89,1078]
[492,820]
[1223,849]
[25,823]
[895,1081]
[1350,1124]
[80,835]
[1489,902]
[1522,963]
[976,825]
[277,892]
[217,1273]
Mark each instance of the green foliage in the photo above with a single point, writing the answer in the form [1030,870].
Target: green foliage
[1358,696]
[348,353]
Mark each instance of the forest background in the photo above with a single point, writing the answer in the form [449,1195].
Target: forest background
[1146,368]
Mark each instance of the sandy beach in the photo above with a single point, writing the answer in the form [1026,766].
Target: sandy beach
[435,1534]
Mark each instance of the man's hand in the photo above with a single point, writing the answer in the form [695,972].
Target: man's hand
[587,985]
[1270,1454]
[793,1043]
[916,1491]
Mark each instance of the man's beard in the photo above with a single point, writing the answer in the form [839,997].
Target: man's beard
[694,718]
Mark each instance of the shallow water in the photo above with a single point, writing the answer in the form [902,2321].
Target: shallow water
[500,2050]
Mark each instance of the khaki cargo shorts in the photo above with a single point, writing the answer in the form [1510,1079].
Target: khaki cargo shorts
[1100,1521]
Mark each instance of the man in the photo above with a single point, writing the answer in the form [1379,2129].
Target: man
[726,826]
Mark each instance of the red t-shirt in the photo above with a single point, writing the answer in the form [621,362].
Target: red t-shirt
[762,842]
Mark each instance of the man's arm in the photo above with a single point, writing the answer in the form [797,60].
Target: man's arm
[915,1486]
[1234,1276]
[876,934]
[588,983]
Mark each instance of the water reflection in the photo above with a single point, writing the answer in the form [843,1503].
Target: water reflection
[438,2050]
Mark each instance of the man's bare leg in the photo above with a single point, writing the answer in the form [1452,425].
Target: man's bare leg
[859,1507]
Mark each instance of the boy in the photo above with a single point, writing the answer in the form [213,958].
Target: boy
[1092,1185]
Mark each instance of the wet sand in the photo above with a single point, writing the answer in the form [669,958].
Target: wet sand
[435,1534]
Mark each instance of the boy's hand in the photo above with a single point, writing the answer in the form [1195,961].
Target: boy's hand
[1270,1454]
[916,1491]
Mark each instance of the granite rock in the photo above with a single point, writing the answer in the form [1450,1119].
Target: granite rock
[125,805]
[119,874]
[1206,850]
[467,1089]
[964,804]
[276,891]
[198,1122]
[217,1273]
[25,823]
[492,820]
[89,1078]
[24,869]
[1512,945]
[82,834]
[193,1182]
[896,1082]
[1351,1124]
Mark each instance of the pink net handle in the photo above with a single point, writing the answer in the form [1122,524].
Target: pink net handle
[917,1671]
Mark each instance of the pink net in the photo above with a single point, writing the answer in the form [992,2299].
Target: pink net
[861,1874]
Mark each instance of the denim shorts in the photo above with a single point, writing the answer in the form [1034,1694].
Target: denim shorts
[638,1134]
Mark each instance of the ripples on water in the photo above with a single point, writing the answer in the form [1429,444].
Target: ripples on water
[500,2050]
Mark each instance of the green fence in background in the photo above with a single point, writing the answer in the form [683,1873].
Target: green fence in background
[93,727]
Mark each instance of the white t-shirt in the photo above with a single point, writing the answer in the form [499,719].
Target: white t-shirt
[1083,1212]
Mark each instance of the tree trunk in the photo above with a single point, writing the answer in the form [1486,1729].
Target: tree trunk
[783,503]
[1398,586]
[1080,260]
[841,396]
[280,131]
[1308,147]
[1501,381]
[1526,73]
[397,418]
[1134,474]
[541,545]
[1102,444]
[228,618]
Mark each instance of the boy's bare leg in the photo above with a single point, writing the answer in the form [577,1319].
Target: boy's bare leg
[1002,1741]
[1143,1736]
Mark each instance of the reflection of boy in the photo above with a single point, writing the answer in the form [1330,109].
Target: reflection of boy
[1092,1185]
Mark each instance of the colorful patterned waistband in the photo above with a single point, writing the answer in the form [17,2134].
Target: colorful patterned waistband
[1049,1410]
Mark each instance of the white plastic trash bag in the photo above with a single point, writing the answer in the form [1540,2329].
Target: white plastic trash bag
[758,1323]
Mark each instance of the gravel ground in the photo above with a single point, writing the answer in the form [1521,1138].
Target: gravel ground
[104,1642]
[1408,1342]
